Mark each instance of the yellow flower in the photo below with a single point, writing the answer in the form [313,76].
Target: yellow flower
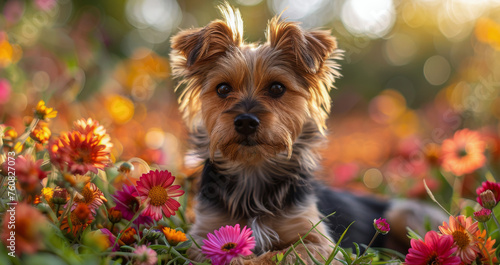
[173,237]
[44,113]
[41,133]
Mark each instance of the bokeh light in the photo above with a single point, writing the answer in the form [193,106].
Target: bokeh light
[373,18]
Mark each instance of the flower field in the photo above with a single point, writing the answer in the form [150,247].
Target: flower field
[93,165]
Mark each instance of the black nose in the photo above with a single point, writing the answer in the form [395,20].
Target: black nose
[246,124]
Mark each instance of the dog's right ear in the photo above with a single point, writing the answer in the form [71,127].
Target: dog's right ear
[194,48]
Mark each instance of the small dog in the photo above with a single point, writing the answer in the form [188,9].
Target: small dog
[257,114]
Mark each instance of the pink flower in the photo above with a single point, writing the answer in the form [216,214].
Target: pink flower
[155,189]
[228,243]
[5,90]
[487,185]
[463,229]
[435,249]
[381,226]
[145,256]
[45,5]
[111,238]
[128,204]
[482,215]
[29,173]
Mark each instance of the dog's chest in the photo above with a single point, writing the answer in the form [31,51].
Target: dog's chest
[253,192]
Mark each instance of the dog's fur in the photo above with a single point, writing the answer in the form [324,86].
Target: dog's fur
[264,180]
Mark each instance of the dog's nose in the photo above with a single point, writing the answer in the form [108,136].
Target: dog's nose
[246,124]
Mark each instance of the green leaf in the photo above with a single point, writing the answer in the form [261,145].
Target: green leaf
[184,245]
[310,254]
[337,246]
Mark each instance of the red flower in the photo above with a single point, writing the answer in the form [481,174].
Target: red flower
[155,189]
[434,249]
[487,185]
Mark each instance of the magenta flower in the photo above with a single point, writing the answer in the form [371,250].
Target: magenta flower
[5,90]
[381,226]
[228,243]
[145,256]
[435,249]
[482,215]
[128,204]
[155,189]
[111,239]
[487,185]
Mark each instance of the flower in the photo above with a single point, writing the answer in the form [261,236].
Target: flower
[486,249]
[28,229]
[96,131]
[44,113]
[60,196]
[29,174]
[155,189]
[128,236]
[463,230]
[464,153]
[434,249]
[79,153]
[381,226]
[145,256]
[114,215]
[487,199]
[47,194]
[482,215]
[493,187]
[91,196]
[5,90]
[228,243]
[41,133]
[173,236]
[80,218]
[128,204]
[45,5]
[112,240]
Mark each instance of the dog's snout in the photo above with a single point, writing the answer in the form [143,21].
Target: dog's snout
[246,124]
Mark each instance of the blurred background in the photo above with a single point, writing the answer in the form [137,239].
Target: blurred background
[414,72]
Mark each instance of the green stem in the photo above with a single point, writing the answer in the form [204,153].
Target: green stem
[496,220]
[22,139]
[371,242]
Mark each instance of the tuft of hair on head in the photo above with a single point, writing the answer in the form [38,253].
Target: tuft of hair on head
[314,54]
[195,50]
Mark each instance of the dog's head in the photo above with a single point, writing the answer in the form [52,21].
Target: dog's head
[253,100]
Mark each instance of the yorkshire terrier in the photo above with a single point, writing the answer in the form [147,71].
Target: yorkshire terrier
[257,115]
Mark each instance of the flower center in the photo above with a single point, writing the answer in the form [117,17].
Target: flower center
[462,152]
[228,246]
[158,196]
[433,259]
[461,238]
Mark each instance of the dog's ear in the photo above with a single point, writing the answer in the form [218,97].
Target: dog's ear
[310,49]
[202,45]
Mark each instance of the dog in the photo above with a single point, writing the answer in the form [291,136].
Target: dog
[257,116]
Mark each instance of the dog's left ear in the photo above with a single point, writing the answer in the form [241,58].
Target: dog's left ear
[310,49]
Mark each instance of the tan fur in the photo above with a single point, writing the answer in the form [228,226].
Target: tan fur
[281,157]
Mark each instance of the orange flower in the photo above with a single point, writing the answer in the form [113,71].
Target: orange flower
[79,153]
[128,236]
[91,196]
[28,228]
[173,237]
[41,133]
[47,194]
[486,249]
[44,113]
[80,218]
[464,153]
[98,132]
[463,229]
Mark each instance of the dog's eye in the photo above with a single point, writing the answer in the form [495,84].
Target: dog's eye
[223,90]
[276,90]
